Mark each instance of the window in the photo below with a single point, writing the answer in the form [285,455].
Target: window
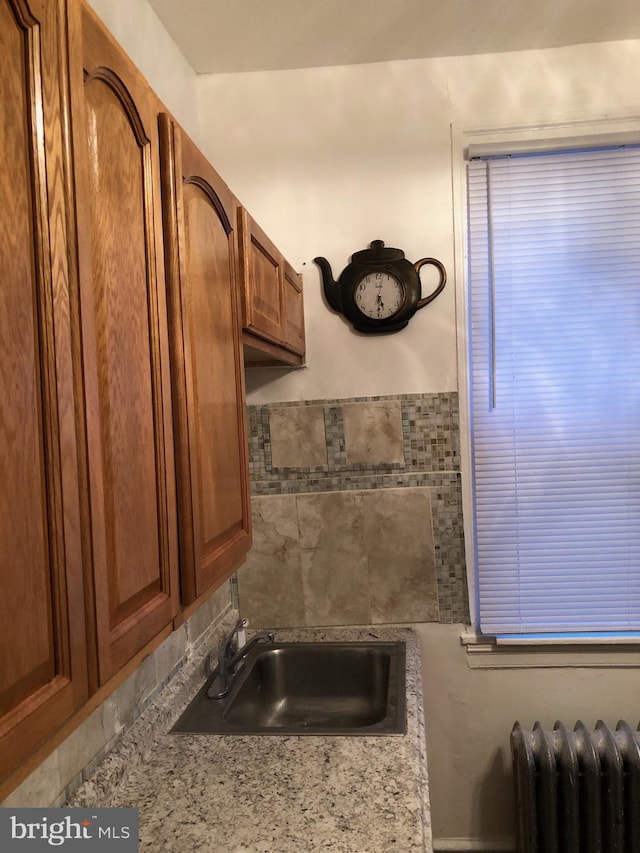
[554,387]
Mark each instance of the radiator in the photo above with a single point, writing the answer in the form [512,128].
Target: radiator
[577,791]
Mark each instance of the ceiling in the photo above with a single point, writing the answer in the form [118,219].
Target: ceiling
[253,35]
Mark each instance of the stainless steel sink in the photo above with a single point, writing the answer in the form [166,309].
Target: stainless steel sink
[308,689]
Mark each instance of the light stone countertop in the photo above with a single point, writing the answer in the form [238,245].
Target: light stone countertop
[271,794]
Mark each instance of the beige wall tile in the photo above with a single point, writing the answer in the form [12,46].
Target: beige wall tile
[171,652]
[399,546]
[297,437]
[340,558]
[373,432]
[334,565]
[270,581]
[207,614]
[40,789]
[81,747]
[130,695]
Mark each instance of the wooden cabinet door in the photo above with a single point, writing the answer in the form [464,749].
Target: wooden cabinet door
[207,372]
[292,310]
[273,314]
[125,346]
[43,669]
[261,281]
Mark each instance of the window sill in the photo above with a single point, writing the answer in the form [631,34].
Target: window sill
[557,652]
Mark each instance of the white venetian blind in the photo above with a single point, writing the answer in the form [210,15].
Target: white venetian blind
[554,246]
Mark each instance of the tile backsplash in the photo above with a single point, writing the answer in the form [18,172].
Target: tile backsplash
[357,513]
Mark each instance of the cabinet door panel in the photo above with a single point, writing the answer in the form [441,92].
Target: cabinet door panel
[210,321]
[293,311]
[43,672]
[125,351]
[211,451]
[121,241]
[262,281]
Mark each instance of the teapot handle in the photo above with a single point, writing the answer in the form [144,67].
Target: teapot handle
[443,279]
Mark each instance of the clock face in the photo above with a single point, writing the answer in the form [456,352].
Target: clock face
[379,295]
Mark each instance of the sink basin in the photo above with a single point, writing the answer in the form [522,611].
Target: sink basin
[308,689]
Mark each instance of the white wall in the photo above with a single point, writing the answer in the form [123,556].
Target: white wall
[329,159]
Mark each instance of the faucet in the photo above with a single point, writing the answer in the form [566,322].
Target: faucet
[230,657]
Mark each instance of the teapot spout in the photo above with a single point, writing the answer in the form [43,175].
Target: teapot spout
[331,288]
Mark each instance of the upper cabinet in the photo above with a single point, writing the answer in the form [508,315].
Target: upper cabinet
[125,355]
[272,303]
[43,664]
[200,215]
[127,267]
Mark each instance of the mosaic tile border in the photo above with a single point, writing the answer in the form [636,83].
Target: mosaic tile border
[430,427]
[450,563]
[431,439]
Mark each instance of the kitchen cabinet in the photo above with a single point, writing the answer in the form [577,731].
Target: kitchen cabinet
[125,355]
[200,215]
[125,495]
[272,300]
[43,663]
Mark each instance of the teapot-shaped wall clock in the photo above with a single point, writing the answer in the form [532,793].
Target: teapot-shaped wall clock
[380,290]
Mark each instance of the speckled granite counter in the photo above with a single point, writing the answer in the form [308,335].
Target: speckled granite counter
[271,794]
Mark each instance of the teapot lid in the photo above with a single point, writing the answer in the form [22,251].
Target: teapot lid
[377,253]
